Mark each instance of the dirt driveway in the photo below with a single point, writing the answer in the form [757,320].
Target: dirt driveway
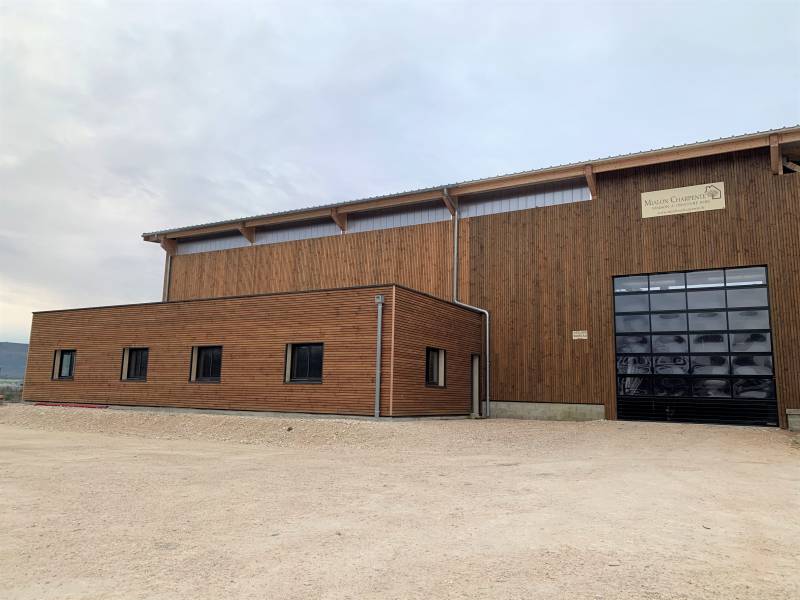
[118,504]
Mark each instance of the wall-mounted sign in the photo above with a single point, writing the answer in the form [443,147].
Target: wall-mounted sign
[580,334]
[695,198]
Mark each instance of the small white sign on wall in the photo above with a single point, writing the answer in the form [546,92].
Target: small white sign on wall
[695,198]
[580,334]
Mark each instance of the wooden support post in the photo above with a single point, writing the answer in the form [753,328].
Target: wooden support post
[590,180]
[340,219]
[249,233]
[775,155]
[450,203]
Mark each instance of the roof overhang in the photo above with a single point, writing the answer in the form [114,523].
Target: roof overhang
[447,194]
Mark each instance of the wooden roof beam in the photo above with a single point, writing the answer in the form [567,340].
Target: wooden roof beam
[339,218]
[591,181]
[450,203]
[169,246]
[249,233]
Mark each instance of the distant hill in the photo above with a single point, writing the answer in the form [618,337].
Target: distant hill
[12,360]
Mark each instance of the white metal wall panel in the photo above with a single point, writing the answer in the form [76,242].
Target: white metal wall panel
[545,195]
[297,232]
[400,218]
[209,245]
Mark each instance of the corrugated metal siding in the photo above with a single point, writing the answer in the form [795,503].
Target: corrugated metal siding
[416,215]
[297,232]
[543,195]
[209,245]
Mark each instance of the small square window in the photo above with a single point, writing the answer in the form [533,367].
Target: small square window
[206,364]
[64,364]
[304,363]
[435,367]
[134,364]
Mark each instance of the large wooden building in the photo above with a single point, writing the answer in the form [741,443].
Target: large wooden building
[662,285]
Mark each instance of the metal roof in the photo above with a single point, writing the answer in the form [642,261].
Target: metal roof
[617,157]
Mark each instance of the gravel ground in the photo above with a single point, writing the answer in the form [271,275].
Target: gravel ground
[117,504]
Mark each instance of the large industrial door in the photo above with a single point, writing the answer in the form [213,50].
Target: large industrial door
[695,347]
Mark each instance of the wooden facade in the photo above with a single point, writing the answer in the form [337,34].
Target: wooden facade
[253,332]
[545,272]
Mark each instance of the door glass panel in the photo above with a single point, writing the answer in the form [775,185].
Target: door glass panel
[710,342]
[627,344]
[714,278]
[633,283]
[710,365]
[634,386]
[749,319]
[707,321]
[746,276]
[667,281]
[668,301]
[675,387]
[711,388]
[747,297]
[632,323]
[750,342]
[752,365]
[670,365]
[707,299]
[632,303]
[753,388]
[633,365]
[669,321]
[670,343]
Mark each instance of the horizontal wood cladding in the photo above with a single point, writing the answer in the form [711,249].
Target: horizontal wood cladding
[253,332]
[420,323]
[545,272]
[414,256]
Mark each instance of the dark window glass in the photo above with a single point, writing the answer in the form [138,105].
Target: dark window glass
[209,363]
[633,386]
[669,321]
[633,365]
[671,386]
[432,375]
[632,303]
[749,319]
[750,342]
[137,364]
[753,388]
[705,279]
[306,363]
[670,343]
[667,281]
[707,321]
[634,283]
[66,367]
[668,301]
[632,323]
[752,365]
[710,365]
[710,342]
[708,299]
[711,388]
[747,297]
[627,344]
[746,276]
[670,365]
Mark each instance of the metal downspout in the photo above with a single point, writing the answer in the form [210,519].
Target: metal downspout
[456,216]
[379,302]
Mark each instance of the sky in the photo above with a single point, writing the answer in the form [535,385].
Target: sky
[118,118]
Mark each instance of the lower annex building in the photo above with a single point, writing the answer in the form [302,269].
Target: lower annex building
[662,285]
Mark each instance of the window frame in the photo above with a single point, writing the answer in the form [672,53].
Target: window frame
[58,361]
[288,366]
[195,362]
[441,367]
[125,370]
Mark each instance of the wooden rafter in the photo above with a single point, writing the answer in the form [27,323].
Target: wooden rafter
[249,233]
[590,180]
[449,202]
[339,218]
[775,155]
[792,166]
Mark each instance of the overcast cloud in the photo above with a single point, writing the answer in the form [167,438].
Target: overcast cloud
[123,117]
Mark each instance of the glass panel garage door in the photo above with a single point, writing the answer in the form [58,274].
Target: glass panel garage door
[695,347]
